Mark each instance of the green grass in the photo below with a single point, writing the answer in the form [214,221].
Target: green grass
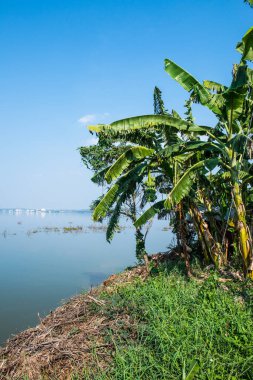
[177,323]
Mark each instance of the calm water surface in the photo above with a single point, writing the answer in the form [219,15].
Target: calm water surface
[40,266]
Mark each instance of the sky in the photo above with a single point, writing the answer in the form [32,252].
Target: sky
[69,63]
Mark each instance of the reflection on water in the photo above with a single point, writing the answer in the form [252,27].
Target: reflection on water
[39,270]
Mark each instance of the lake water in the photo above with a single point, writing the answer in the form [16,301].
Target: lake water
[41,265]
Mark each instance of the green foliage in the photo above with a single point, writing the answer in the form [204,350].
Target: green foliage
[214,86]
[91,155]
[181,329]
[142,122]
[159,108]
[117,189]
[245,46]
[186,80]
[108,161]
[133,154]
[149,213]
[115,214]
[182,188]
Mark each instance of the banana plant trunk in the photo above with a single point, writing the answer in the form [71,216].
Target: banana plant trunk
[244,232]
[183,237]
[140,250]
[210,247]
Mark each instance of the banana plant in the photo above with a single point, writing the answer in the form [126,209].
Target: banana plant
[233,107]
[121,202]
[226,144]
[171,168]
[124,198]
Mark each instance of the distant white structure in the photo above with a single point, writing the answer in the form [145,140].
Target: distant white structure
[28,211]
[41,212]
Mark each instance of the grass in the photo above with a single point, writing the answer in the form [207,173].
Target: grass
[177,324]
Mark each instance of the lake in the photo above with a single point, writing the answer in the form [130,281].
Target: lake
[43,263]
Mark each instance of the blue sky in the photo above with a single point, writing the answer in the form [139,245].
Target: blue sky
[62,60]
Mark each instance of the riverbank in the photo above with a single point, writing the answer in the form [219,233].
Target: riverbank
[139,325]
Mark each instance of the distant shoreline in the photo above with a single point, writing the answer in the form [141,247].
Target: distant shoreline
[42,210]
